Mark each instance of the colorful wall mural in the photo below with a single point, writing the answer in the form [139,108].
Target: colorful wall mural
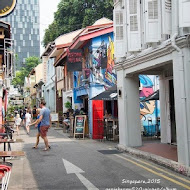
[150,109]
[103,59]
[98,62]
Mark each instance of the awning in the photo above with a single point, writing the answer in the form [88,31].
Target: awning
[154,96]
[110,94]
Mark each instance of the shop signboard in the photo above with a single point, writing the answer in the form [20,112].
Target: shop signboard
[54,116]
[80,121]
[6,7]
[74,60]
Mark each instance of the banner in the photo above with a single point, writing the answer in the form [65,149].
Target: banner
[74,60]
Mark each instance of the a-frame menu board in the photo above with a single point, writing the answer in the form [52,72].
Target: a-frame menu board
[80,121]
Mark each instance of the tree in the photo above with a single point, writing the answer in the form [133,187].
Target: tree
[75,14]
[31,62]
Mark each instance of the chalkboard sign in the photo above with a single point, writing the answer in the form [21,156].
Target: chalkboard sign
[80,121]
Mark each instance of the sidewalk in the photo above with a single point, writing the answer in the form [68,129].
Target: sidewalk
[156,147]
[162,154]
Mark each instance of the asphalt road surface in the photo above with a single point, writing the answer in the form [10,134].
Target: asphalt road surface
[74,164]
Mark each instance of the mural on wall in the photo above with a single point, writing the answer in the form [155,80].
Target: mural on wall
[103,59]
[149,110]
[98,62]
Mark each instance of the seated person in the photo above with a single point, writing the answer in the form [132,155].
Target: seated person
[82,112]
[106,114]
[66,121]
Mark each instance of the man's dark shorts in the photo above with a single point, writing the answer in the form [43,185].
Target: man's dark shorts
[44,130]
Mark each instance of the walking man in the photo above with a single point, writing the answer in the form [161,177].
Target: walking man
[45,119]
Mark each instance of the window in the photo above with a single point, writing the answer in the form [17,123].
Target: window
[119,25]
[59,73]
[133,15]
[153,9]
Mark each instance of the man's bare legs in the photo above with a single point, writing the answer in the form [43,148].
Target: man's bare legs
[46,143]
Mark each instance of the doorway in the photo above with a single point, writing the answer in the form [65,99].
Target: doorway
[172,112]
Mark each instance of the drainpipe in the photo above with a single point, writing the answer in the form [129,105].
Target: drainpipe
[174,44]
[183,94]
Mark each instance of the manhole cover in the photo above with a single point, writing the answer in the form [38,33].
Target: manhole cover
[109,151]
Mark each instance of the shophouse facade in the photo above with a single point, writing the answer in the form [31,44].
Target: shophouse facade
[26,91]
[96,45]
[152,38]
[30,100]
[39,82]
[48,88]
[64,79]
[6,66]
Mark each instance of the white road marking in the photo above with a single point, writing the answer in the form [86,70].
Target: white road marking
[71,168]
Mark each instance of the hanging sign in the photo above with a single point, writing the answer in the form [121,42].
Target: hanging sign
[6,7]
[80,121]
[74,60]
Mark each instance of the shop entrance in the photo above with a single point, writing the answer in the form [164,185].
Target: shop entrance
[172,112]
[85,102]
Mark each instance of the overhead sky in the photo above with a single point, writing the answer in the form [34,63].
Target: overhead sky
[47,9]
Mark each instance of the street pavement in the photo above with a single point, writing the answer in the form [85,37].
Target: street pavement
[77,164]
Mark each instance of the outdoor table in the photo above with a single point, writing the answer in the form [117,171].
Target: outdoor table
[5,154]
[110,124]
[10,141]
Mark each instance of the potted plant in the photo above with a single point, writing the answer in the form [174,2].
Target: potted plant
[68,105]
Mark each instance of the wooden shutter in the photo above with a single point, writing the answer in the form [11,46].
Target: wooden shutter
[133,25]
[184,13]
[166,17]
[120,31]
[119,34]
[152,21]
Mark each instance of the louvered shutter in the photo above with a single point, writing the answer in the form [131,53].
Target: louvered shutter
[133,25]
[119,34]
[184,13]
[166,17]
[152,21]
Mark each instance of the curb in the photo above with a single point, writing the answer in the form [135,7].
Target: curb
[175,166]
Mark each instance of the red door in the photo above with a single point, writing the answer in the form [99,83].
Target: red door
[98,127]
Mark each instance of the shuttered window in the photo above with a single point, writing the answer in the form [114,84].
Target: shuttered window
[119,25]
[133,15]
[184,15]
[133,25]
[133,6]
[153,9]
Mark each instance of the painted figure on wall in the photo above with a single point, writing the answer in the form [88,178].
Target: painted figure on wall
[103,59]
[98,62]
[149,110]
[100,56]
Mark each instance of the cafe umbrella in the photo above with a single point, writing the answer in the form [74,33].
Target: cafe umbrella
[109,94]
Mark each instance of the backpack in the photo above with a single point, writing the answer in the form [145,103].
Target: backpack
[34,111]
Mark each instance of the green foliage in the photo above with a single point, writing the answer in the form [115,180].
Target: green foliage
[10,112]
[68,105]
[75,14]
[30,63]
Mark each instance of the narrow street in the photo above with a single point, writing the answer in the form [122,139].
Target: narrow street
[85,164]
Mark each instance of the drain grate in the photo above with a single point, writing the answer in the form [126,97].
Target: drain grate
[109,151]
